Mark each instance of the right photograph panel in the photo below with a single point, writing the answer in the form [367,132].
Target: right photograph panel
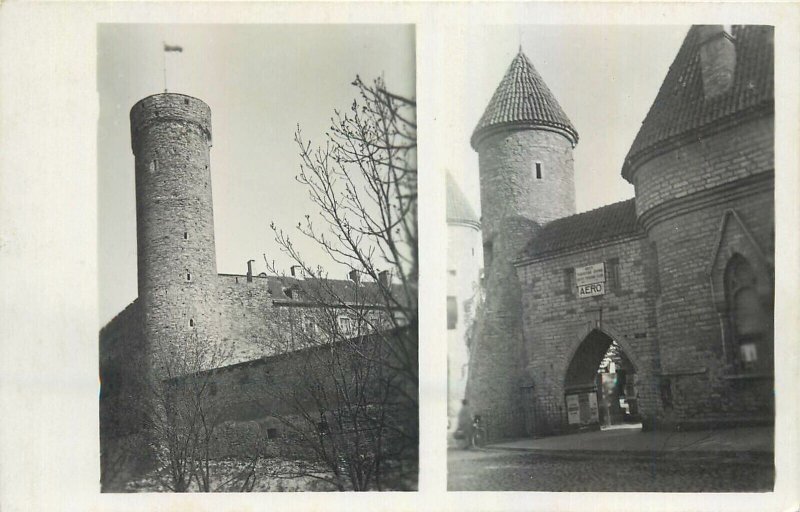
[611,260]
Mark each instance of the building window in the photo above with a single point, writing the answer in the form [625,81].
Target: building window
[569,281]
[452,312]
[309,326]
[487,254]
[153,166]
[538,170]
[612,274]
[345,324]
[188,276]
[747,319]
[191,322]
[185,235]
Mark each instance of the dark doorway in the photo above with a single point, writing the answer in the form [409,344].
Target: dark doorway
[600,385]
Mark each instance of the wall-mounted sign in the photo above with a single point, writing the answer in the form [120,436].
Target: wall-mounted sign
[582,408]
[573,409]
[590,274]
[591,290]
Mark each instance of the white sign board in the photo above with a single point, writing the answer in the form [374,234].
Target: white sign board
[573,409]
[591,290]
[590,274]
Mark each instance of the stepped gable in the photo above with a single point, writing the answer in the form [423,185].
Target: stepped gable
[680,108]
[607,223]
[523,100]
[459,210]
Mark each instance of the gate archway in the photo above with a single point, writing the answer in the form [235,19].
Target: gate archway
[600,383]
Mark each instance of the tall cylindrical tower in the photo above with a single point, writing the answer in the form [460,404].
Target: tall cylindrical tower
[524,142]
[171,139]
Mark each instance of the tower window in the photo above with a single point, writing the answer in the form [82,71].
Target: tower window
[538,170]
[185,235]
[186,101]
[191,322]
[188,276]
[487,254]
[452,312]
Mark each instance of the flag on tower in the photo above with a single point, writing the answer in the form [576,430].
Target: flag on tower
[172,48]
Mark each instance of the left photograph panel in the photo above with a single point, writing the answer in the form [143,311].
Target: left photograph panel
[263,337]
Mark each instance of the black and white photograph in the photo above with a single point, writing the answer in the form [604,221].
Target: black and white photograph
[225,286]
[611,261]
[263,337]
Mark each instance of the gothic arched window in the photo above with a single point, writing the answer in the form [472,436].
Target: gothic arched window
[747,318]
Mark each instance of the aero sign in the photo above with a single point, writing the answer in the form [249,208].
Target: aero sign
[591,280]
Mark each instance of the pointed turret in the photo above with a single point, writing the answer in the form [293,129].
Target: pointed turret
[524,142]
[523,100]
[717,78]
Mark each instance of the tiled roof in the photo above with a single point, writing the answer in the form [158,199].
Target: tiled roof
[680,105]
[458,208]
[607,223]
[523,99]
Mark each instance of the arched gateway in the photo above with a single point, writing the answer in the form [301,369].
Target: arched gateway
[600,383]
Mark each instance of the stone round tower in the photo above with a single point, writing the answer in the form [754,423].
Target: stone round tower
[171,139]
[703,167]
[524,142]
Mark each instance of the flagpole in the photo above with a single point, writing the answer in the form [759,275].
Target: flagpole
[164,51]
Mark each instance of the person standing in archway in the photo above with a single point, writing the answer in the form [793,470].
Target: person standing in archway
[465,424]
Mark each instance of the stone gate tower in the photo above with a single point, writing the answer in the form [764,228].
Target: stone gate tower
[524,141]
[171,139]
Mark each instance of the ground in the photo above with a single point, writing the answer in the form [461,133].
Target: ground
[495,469]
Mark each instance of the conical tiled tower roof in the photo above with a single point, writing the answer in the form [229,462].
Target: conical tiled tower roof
[680,108]
[459,211]
[522,100]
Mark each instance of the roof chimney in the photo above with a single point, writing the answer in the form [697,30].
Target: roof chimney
[384,278]
[295,270]
[250,271]
[354,276]
[717,59]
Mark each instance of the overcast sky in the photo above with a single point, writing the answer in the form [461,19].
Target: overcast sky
[260,82]
[605,77]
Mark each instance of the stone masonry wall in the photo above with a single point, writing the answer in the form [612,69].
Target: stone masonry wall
[493,388]
[171,137]
[682,197]
[692,354]
[508,177]
[556,322]
[740,152]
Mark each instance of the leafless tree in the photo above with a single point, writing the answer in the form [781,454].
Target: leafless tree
[355,410]
[182,412]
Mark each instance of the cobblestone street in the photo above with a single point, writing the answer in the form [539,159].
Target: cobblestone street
[485,470]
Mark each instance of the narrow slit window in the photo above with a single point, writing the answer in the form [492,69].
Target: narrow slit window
[191,322]
[185,235]
[188,276]
[538,170]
